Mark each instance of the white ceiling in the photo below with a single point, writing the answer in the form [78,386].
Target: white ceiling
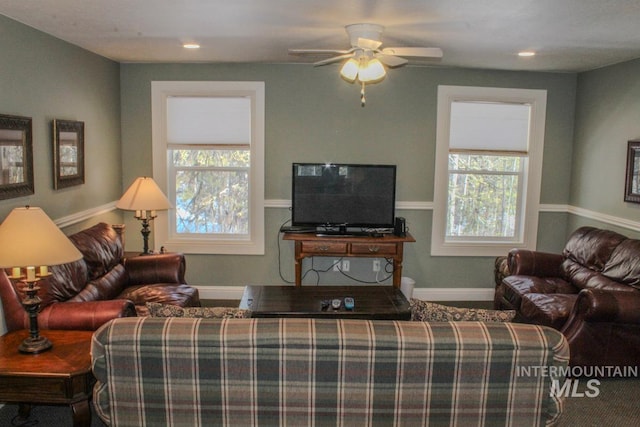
[569,35]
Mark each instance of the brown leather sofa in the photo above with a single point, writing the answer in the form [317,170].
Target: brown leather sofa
[103,285]
[590,292]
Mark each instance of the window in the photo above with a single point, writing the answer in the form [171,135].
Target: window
[208,149]
[488,170]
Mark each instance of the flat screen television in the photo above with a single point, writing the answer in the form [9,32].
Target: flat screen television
[342,196]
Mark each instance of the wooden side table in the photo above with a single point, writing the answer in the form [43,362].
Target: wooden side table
[61,375]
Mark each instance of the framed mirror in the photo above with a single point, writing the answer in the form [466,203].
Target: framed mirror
[16,157]
[632,181]
[68,153]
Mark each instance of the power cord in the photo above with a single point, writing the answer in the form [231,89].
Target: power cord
[388,264]
[312,269]
[317,272]
[337,264]
[377,279]
[280,253]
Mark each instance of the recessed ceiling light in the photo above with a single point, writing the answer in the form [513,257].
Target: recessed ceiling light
[191,46]
[527,53]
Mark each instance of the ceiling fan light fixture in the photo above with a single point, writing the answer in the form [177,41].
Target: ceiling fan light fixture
[372,71]
[349,70]
[366,60]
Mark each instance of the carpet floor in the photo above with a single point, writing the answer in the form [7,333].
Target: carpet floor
[616,405]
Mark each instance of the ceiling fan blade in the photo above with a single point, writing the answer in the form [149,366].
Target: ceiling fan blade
[333,59]
[318,51]
[368,43]
[426,52]
[391,60]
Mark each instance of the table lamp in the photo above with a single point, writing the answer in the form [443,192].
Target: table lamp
[145,198]
[31,242]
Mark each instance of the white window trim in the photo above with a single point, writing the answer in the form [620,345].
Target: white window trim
[160,90]
[537,99]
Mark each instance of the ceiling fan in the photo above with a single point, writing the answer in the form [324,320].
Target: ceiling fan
[365,59]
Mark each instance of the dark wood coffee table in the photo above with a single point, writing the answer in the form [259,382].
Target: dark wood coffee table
[61,375]
[381,302]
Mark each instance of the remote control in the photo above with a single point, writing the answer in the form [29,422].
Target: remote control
[349,303]
[336,304]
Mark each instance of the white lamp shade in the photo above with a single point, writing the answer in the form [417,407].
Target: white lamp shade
[30,238]
[144,194]
[349,70]
[372,72]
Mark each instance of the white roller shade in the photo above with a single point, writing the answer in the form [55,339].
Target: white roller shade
[488,126]
[209,120]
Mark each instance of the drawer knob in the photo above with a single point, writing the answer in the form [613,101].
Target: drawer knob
[374,249]
[323,248]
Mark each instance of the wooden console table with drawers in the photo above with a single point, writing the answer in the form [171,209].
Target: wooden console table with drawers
[387,246]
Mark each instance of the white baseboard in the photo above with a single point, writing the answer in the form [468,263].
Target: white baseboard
[220,292]
[454,294]
[429,294]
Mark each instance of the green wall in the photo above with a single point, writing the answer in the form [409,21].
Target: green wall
[607,116]
[313,115]
[45,78]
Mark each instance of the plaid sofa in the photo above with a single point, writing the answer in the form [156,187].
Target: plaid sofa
[324,372]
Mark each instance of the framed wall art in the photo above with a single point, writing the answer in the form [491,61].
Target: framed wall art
[68,153]
[16,156]
[632,180]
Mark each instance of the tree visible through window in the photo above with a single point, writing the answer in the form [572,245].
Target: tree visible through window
[488,170]
[212,191]
[483,195]
[208,147]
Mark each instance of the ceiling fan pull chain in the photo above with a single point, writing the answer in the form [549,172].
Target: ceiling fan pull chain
[363,100]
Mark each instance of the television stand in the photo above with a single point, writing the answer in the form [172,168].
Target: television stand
[386,246]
